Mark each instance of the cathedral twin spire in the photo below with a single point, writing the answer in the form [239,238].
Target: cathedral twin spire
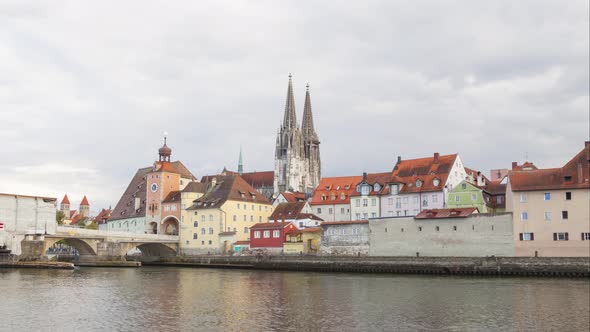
[290,118]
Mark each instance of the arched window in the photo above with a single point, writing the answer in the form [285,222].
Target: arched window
[210,217]
[203,231]
[196,223]
[235,217]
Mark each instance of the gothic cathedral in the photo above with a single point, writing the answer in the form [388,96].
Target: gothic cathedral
[297,155]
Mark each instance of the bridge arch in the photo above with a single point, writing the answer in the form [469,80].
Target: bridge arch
[84,247]
[170,226]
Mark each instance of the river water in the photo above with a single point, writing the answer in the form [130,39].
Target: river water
[191,299]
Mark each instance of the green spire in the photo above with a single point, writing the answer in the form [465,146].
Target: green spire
[240,163]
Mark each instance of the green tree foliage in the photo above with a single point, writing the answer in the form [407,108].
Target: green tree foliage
[92,225]
[59,217]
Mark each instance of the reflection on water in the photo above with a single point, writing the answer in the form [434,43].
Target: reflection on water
[183,299]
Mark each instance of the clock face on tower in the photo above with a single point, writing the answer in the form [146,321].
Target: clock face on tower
[154,187]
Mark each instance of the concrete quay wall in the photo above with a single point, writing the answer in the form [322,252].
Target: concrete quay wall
[507,266]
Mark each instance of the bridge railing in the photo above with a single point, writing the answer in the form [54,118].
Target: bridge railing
[71,231]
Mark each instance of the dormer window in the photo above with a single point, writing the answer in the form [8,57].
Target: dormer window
[323,197]
[436,182]
[394,188]
[332,197]
[365,189]
[567,178]
[342,196]
[377,187]
[463,186]
[418,183]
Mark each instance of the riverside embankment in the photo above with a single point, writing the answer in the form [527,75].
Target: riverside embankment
[507,266]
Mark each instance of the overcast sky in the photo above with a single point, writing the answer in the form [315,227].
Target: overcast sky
[86,90]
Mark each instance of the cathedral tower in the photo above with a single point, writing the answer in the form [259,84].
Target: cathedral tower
[297,150]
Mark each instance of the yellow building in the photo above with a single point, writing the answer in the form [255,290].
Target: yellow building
[305,241]
[211,223]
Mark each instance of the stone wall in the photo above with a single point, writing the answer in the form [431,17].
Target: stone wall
[345,240]
[476,236]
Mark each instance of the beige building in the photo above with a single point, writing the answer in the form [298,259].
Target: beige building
[551,208]
[222,216]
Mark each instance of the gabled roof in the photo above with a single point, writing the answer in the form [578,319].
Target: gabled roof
[65,200]
[575,174]
[227,187]
[425,170]
[102,216]
[372,178]
[336,186]
[195,187]
[285,211]
[77,218]
[495,188]
[446,213]
[173,167]
[84,201]
[271,225]
[125,208]
[293,196]
[259,179]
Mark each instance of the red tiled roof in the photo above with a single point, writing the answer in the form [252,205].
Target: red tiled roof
[227,187]
[271,225]
[102,216]
[293,196]
[495,188]
[309,216]
[165,166]
[526,166]
[446,213]
[408,172]
[349,222]
[77,218]
[72,213]
[573,175]
[286,211]
[84,201]
[372,179]
[238,243]
[65,200]
[335,186]
[259,179]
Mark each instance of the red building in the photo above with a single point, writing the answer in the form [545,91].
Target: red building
[269,235]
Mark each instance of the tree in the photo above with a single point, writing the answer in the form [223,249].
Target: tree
[81,223]
[92,225]
[59,217]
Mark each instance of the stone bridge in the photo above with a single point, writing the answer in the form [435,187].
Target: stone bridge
[90,242]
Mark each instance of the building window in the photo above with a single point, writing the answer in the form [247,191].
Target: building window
[196,212]
[499,200]
[202,243]
[457,198]
[196,224]
[394,189]
[585,236]
[398,212]
[560,236]
[245,218]
[210,230]
[425,203]
[398,203]
[210,242]
[419,228]
[333,197]
[527,236]
[454,228]
[373,215]
[238,206]
[342,197]
[203,218]
[257,235]
[390,201]
[210,217]
[365,190]
[319,210]
[276,234]
[568,196]
[415,199]
[365,202]
[547,215]
[473,197]
[405,200]
[418,183]
[342,210]
[203,231]
[524,198]
[365,216]
[195,236]
[434,199]
[235,218]
[547,196]
[358,216]
[323,197]
[330,211]
[251,218]
[259,218]
[174,207]
[564,215]
[524,216]
[463,186]
[245,229]
[437,228]
[266,234]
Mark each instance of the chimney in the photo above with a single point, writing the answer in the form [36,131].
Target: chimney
[365,176]
[587,144]
[399,160]
[436,155]
[514,165]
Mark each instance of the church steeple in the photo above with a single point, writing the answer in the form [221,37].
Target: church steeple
[307,128]
[290,119]
[240,163]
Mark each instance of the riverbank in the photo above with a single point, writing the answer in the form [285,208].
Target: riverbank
[502,266]
[37,265]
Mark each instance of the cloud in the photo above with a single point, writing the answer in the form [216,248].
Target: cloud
[87,89]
